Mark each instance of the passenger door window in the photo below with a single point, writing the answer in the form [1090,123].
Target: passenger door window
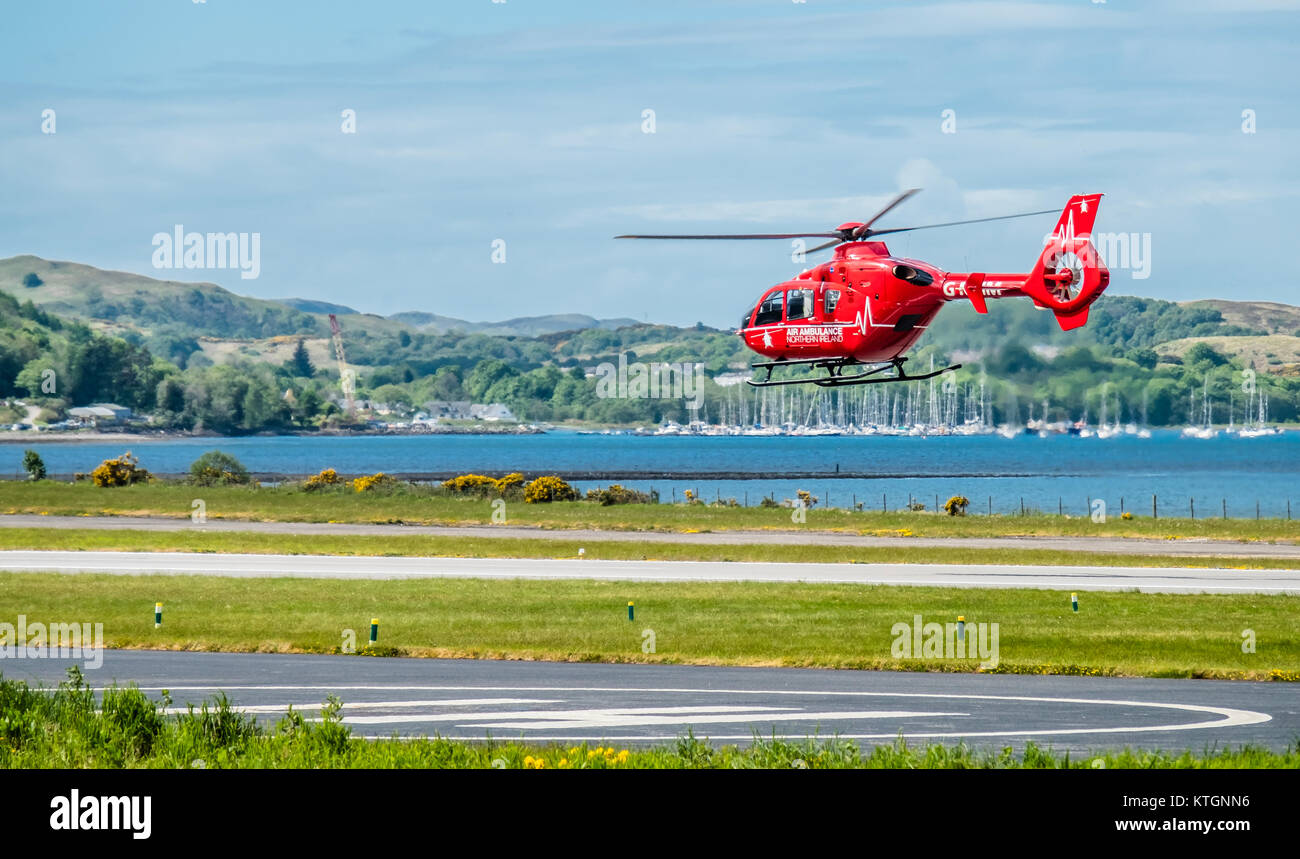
[799,304]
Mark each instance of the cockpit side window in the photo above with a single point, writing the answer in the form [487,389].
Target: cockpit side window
[830,300]
[769,310]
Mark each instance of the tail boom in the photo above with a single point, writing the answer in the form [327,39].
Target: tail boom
[1067,278]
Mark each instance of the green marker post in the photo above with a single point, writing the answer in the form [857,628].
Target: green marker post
[630,610]
[157,615]
[374,631]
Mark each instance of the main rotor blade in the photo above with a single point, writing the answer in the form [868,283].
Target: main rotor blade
[832,243]
[958,223]
[858,232]
[741,236]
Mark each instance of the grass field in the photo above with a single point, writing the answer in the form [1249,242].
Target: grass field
[127,540]
[69,728]
[430,505]
[835,626]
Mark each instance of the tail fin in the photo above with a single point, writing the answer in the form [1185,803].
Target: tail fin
[1070,275]
[1078,216]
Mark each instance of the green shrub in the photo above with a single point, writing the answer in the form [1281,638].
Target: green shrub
[616,494]
[216,468]
[33,465]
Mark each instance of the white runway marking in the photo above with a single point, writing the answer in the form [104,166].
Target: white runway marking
[1226,717]
[1059,577]
[613,717]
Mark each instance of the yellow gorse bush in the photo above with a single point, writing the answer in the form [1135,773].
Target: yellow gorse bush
[327,477]
[510,481]
[482,483]
[469,483]
[122,471]
[367,482]
[543,490]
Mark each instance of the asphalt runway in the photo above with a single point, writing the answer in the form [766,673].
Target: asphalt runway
[625,704]
[1191,547]
[1144,579]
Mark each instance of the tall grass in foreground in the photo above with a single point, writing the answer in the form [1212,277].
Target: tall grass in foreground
[121,727]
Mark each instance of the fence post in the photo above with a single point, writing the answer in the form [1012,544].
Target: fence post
[1192,502]
[1225,508]
[1155,513]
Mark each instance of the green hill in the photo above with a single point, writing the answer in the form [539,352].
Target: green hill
[1268,317]
[170,316]
[126,300]
[311,305]
[524,326]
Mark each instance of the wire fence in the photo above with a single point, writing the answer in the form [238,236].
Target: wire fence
[1156,507]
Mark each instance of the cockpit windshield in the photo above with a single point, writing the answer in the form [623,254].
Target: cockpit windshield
[769,309]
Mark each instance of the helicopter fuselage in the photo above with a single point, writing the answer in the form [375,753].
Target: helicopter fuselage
[864,304]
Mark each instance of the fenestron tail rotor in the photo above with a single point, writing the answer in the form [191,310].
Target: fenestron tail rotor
[851,232]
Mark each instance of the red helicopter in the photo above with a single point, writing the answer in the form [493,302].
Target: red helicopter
[865,307]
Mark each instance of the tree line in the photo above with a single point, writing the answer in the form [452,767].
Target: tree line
[59,364]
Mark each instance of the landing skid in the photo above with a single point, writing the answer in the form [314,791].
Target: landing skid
[835,377]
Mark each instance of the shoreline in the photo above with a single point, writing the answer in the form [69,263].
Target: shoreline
[30,437]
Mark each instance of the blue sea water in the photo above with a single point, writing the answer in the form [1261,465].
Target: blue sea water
[1068,471]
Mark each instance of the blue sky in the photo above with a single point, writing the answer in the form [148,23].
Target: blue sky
[522,121]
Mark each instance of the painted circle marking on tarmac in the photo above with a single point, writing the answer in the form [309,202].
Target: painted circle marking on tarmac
[1228,717]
